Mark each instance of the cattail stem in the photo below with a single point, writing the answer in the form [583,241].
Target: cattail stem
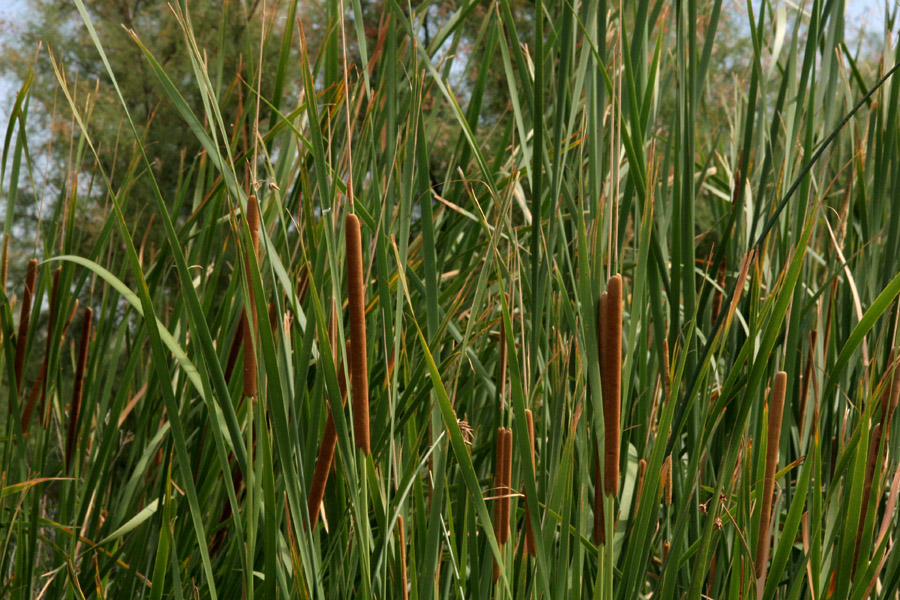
[24,318]
[356,301]
[249,328]
[613,369]
[776,409]
[599,518]
[80,366]
[530,547]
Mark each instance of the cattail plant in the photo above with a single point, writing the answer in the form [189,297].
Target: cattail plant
[250,313]
[530,547]
[356,303]
[776,409]
[24,318]
[326,455]
[39,387]
[80,366]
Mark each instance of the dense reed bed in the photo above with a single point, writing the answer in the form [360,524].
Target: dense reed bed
[611,290]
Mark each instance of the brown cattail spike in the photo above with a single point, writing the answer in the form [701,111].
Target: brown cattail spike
[499,492]
[356,301]
[80,366]
[776,409]
[326,456]
[667,479]
[39,388]
[613,370]
[530,547]
[507,489]
[249,328]
[24,318]
[498,481]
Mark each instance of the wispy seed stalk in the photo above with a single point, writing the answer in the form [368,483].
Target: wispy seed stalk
[249,328]
[356,301]
[77,390]
[776,410]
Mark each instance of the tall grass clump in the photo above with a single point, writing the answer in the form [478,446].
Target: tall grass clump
[454,300]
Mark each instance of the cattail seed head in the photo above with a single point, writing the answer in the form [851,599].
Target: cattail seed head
[39,387]
[507,489]
[613,369]
[667,479]
[326,455]
[356,300]
[530,547]
[776,409]
[80,366]
[24,318]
